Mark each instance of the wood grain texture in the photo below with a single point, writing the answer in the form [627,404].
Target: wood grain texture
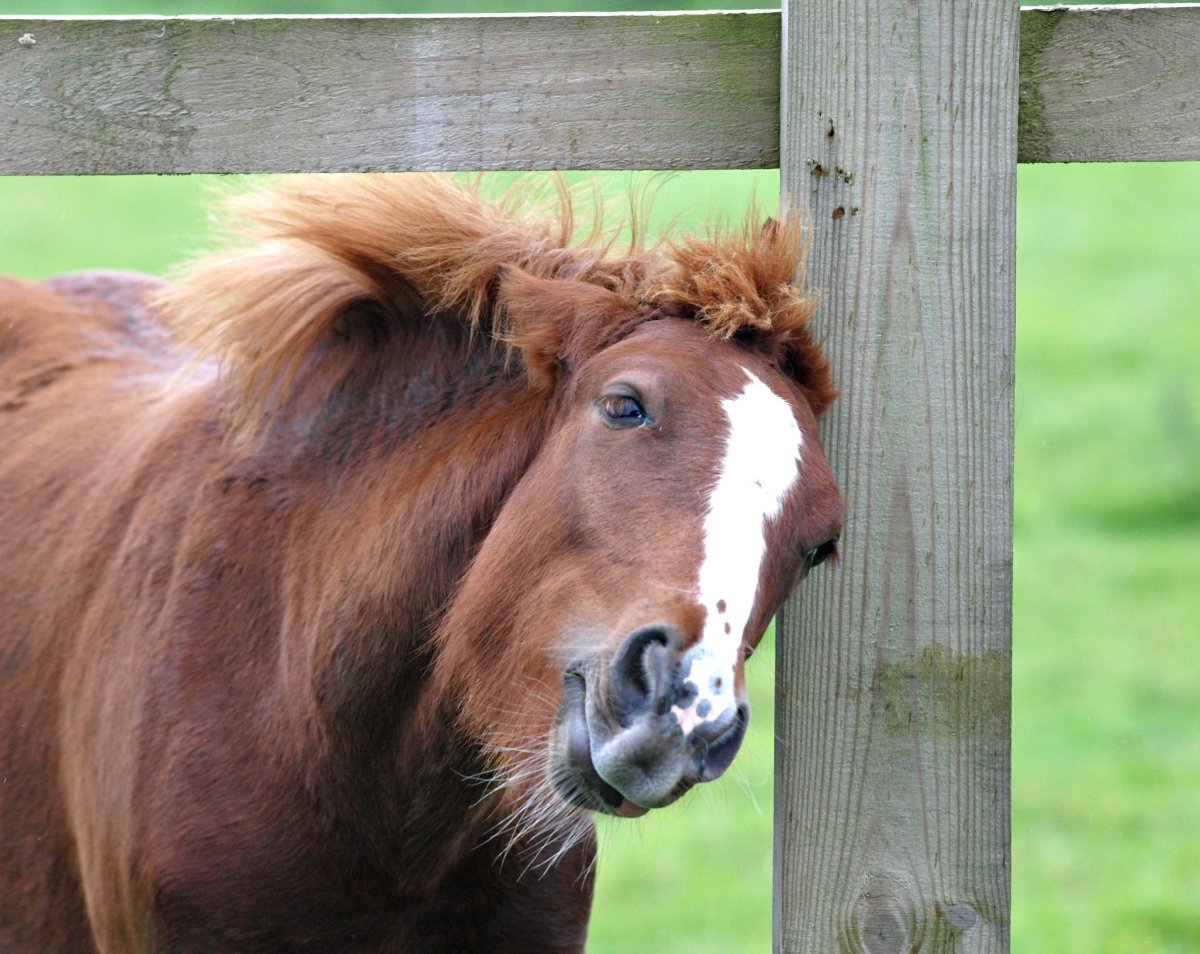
[264,94]
[893,693]
[1110,84]
[618,91]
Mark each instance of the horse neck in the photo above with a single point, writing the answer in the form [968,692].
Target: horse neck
[382,534]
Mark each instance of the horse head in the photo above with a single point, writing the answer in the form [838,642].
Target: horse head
[680,491]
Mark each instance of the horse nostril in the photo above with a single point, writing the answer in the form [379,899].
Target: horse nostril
[643,671]
[717,743]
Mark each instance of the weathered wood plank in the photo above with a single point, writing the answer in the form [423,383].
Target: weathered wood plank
[262,94]
[893,675]
[1110,84]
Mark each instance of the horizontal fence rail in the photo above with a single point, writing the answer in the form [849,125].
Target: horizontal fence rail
[264,94]
[604,91]
[1109,84]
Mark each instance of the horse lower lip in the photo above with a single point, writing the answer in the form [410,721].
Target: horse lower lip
[628,809]
[579,757]
[612,798]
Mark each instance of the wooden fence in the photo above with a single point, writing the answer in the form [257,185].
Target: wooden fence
[899,125]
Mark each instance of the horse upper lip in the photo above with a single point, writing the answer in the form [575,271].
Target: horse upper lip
[581,732]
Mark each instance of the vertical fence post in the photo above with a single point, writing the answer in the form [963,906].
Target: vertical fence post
[892,762]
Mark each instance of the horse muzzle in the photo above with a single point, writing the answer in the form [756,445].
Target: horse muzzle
[638,733]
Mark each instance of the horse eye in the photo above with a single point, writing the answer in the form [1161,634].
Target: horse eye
[818,555]
[623,410]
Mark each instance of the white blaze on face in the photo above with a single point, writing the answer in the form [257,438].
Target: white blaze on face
[759,467]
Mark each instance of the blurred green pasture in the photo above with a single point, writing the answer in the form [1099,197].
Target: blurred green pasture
[1106,668]
[1106,727]
[250,7]
[696,877]
[1106,720]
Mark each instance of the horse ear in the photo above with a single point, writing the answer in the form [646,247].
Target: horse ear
[558,323]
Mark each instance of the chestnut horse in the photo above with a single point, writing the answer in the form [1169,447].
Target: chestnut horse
[342,581]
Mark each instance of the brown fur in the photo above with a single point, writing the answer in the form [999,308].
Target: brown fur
[288,594]
[385,246]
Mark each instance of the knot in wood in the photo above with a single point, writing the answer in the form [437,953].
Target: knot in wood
[961,917]
[883,919]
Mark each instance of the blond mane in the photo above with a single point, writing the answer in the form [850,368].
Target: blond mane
[313,248]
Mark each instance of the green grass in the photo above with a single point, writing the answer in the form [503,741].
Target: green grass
[1106,694]
[39,8]
[1106,669]
[696,877]
[1106,722]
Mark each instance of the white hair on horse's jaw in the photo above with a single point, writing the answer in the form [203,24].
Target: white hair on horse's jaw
[760,466]
[538,826]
